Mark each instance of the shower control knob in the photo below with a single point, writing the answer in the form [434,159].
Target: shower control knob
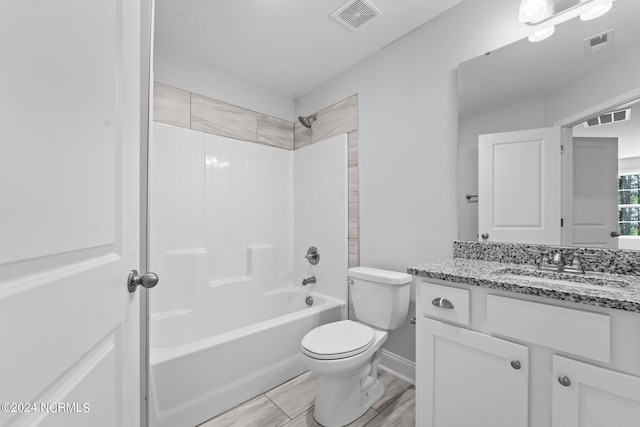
[313,256]
[147,280]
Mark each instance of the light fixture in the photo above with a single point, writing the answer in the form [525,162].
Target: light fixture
[553,12]
[532,10]
[596,11]
[542,34]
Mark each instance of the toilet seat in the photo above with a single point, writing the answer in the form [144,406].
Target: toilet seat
[337,340]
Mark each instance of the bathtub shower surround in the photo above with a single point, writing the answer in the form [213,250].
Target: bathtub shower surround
[193,111]
[230,223]
[321,213]
[216,204]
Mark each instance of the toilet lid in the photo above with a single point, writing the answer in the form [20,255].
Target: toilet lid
[337,340]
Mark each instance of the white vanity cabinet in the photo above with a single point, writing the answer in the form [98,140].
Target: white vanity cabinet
[466,378]
[590,396]
[491,358]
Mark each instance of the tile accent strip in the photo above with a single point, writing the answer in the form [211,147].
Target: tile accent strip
[171,105]
[275,132]
[614,261]
[341,117]
[188,110]
[219,118]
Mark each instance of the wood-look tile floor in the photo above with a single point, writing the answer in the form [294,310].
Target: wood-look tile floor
[291,405]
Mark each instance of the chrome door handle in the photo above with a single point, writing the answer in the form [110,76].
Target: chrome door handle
[564,380]
[442,303]
[147,280]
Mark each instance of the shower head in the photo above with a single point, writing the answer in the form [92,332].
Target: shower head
[306,121]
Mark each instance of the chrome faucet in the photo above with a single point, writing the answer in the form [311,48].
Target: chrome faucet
[308,280]
[556,263]
[558,260]
[576,265]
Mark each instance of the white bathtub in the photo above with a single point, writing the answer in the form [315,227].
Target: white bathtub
[233,349]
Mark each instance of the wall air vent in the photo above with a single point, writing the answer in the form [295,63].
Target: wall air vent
[610,117]
[354,13]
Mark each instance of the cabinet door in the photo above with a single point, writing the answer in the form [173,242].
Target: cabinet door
[465,378]
[593,397]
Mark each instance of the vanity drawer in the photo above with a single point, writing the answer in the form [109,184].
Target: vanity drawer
[577,332]
[444,302]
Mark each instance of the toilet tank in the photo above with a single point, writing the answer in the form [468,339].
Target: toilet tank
[380,297]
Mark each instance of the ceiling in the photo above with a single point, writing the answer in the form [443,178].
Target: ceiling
[524,71]
[287,46]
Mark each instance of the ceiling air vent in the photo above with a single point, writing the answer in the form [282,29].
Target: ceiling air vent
[610,117]
[599,43]
[355,13]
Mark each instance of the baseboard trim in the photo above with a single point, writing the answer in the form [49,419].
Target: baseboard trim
[399,366]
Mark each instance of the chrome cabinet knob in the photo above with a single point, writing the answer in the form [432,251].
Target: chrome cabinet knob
[515,364]
[564,380]
[147,280]
[614,234]
[484,236]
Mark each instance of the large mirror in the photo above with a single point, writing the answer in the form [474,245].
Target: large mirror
[585,69]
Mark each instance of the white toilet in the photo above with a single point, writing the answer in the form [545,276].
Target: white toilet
[345,354]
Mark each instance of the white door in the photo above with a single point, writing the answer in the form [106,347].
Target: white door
[595,192]
[69,212]
[466,378]
[589,396]
[519,186]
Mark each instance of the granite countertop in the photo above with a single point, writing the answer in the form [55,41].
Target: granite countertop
[620,291]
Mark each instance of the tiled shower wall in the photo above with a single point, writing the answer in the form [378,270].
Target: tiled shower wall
[192,111]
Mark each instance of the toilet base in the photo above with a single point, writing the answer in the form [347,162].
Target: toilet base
[339,401]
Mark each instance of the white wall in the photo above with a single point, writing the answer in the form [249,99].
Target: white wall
[187,74]
[408,137]
[627,132]
[612,79]
[407,132]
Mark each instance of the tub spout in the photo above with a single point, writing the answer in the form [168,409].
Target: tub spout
[308,280]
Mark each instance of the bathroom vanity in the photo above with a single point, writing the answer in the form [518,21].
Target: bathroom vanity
[507,345]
